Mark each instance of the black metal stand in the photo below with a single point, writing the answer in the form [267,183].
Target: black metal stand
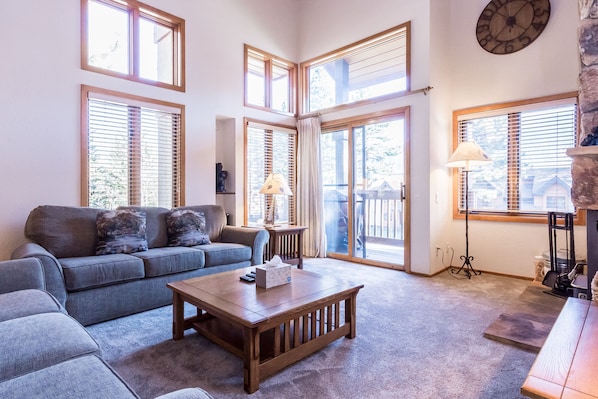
[467,268]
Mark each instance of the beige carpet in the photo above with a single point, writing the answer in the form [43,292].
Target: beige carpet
[417,338]
[528,321]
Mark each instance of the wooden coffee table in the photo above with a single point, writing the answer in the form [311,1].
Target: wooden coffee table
[268,328]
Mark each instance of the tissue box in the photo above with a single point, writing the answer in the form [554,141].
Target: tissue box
[272,276]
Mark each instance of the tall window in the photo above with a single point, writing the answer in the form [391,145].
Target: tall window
[378,66]
[527,141]
[270,81]
[134,41]
[133,150]
[269,149]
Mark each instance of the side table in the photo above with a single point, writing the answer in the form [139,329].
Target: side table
[286,241]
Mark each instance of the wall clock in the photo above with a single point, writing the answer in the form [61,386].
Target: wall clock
[507,26]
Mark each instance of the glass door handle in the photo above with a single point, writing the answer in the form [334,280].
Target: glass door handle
[403,192]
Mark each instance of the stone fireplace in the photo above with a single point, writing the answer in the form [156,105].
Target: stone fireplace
[584,169]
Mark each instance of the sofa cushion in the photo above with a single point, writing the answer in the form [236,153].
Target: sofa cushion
[94,271]
[64,231]
[82,377]
[169,260]
[215,217]
[34,342]
[186,228]
[155,224]
[220,253]
[120,231]
[26,303]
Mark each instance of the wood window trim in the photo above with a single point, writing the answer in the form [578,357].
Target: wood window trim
[519,217]
[156,15]
[305,65]
[84,176]
[292,182]
[293,92]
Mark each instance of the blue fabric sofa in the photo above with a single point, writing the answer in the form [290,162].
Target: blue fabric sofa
[95,288]
[48,354]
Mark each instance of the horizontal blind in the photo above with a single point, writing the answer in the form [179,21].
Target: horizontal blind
[133,154]
[530,172]
[269,149]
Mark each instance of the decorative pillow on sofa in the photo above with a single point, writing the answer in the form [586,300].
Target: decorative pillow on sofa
[121,231]
[186,228]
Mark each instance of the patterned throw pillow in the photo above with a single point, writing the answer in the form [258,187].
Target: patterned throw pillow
[121,232]
[186,228]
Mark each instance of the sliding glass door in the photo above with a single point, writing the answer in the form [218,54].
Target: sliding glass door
[365,171]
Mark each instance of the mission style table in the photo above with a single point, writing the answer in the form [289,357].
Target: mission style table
[268,328]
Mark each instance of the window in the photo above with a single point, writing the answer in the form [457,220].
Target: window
[132,150]
[269,149]
[133,41]
[527,141]
[270,81]
[374,67]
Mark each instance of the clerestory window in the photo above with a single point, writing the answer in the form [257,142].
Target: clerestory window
[133,41]
[270,81]
[530,172]
[374,68]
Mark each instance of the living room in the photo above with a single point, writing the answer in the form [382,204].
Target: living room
[41,102]
[42,143]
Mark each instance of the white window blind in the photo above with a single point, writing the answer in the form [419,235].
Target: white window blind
[269,149]
[530,173]
[133,153]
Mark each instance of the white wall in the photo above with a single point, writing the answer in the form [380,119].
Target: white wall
[548,66]
[328,25]
[40,80]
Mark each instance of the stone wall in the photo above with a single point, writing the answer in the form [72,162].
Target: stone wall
[588,76]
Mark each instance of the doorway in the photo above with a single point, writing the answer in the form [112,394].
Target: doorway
[365,178]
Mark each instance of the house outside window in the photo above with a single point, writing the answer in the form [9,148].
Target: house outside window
[132,150]
[377,67]
[270,81]
[269,149]
[133,41]
[527,141]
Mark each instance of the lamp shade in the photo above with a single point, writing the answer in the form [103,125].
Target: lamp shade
[275,184]
[467,154]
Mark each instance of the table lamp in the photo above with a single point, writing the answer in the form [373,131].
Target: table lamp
[275,184]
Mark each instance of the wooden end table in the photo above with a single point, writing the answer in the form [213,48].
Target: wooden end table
[286,241]
[268,328]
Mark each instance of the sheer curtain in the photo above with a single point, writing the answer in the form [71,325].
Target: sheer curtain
[309,196]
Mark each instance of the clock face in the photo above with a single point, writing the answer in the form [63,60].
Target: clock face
[506,26]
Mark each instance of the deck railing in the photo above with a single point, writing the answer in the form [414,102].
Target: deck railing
[382,214]
[378,218]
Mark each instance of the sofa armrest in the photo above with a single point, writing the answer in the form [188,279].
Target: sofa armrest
[54,278]
[21,274]
[187,393]
[256,238]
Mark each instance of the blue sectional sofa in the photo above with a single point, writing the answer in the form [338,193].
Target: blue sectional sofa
[48,354]
[95,288]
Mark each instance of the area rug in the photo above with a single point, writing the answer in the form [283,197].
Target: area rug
[417,338]
[528,321]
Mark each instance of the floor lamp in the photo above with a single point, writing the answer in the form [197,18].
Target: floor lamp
[467,154]
[275,184]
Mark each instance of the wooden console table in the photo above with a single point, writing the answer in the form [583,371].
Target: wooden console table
[286,241]
[566,365]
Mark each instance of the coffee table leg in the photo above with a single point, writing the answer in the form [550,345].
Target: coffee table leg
[251,360]
[178,316]
[351,314]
